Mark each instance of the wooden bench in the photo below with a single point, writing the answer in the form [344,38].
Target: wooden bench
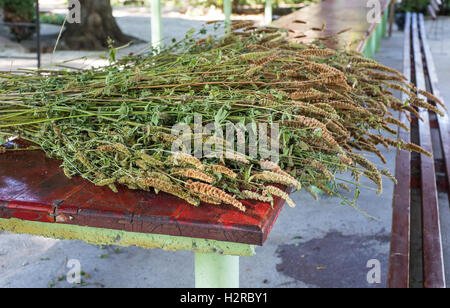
[338,15]
[416,222]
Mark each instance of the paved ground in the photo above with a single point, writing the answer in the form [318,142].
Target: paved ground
[318,244]
[439,40]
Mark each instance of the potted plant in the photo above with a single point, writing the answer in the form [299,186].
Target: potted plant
[19,11]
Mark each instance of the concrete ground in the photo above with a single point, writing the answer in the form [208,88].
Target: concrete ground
[439,41]
[318,244]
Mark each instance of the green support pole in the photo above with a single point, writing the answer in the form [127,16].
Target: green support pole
[156,24]
[373,43]
[366,50]
[268,15]
[385,22]
[227,9]
[216,271]
[369,49]
[378,35]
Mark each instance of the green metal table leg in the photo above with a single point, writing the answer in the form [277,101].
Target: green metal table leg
[227,9]
[268,15]
[156,24]
[216,271]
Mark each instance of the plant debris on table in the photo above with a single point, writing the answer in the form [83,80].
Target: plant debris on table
[113,125]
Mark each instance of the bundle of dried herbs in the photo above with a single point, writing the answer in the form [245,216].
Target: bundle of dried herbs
[113,125]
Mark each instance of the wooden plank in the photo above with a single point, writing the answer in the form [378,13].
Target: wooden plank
[32,171]
[398,273]
[443,122]
[432,12]
[432,242]
[435,5]
[337,15]
[34,188]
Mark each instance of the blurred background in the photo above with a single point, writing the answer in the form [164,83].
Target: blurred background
[125,21]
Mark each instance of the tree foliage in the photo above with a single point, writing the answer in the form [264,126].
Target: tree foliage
[22,8]
[419,5]
[19,11]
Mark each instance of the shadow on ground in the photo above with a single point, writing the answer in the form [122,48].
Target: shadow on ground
[334,261]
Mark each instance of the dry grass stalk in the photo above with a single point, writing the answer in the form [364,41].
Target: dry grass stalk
[214,192]
[275,191]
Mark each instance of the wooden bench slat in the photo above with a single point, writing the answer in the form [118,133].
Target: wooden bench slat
[432,12]
[432,242]
[339,15]
[435,5]
[443,122]
[398,273]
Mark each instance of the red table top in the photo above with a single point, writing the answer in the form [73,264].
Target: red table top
[34,188]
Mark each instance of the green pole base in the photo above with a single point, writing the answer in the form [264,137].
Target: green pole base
[216,271]
[379,35]
[227,10]
[384,22]
[156,24]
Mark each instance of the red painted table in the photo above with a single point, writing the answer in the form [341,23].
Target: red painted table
[37,198]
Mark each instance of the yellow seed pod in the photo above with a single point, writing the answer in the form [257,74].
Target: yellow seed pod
[121,148]
[223,170]
[251,195]
[105,182]
[141,164]
[180,159]
[150,160]
[84,161]
[210,200]
[194,174]
[318,52]
[214,192]
[279,193]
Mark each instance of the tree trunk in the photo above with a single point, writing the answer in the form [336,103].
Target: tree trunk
[235,6]
[97,25]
